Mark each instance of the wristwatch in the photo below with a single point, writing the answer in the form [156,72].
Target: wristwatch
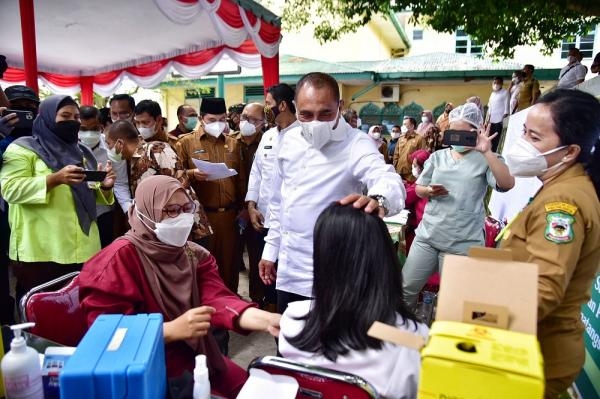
[383,203]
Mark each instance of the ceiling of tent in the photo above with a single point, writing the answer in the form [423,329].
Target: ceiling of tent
[93,37]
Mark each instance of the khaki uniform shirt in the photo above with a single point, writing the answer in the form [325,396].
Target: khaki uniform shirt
[560,231]
[247,152]
[158,158]
[215,194]
[530,87]
[406,145]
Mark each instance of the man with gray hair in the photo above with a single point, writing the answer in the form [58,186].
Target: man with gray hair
[321,161]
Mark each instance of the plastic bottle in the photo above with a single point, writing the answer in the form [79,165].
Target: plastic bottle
[201,382]
[21,368]
[425,308]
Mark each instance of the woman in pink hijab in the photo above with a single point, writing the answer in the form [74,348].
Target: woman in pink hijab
[153,268]
[427,121]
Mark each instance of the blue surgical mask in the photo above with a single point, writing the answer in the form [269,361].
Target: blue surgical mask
[460,148]
[191,123]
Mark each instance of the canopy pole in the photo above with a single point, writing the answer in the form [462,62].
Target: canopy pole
[270,69]
[221,85]
[87,90]
[29,45]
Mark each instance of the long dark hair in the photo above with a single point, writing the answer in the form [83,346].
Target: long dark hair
[576,118]
[357,280]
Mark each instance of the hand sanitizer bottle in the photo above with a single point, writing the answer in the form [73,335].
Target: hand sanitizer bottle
[21,368]
[201,382]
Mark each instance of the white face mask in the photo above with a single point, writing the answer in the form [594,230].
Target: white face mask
[415,171]
[113,155]
[376,135]
[496,87]
[214,128]
[171,231]
[395,135]
[524,160]
[147,132]
[247,128]
[424,119]
[318,133]
[90,138]
[404,129]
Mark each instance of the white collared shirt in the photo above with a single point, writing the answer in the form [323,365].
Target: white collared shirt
[102,158]
[308,180]
[260,183]
[570,74]
[498,105]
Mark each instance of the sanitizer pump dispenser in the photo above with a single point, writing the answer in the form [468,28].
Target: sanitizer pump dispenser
[21,368]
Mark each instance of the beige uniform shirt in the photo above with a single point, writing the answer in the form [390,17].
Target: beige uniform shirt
[560,231]
[215,194]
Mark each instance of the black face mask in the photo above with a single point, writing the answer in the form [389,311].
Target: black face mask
[68,131]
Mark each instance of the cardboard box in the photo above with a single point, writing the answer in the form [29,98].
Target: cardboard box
[470,361]
[488,288]
[119,357]
[483,342]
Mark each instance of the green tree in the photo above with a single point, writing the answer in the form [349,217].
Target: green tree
[499,25]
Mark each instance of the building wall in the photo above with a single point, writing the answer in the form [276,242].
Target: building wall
[364,45]
[433,41]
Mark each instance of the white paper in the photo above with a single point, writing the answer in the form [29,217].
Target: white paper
[215,171]
[399,218]
[261,384]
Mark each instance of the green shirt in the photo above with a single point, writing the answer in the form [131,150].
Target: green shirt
[44,224]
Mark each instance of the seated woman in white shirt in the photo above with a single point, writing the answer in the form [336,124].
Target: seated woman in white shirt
[357,281]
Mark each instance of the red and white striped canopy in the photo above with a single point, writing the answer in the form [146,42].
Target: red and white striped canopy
[99,42]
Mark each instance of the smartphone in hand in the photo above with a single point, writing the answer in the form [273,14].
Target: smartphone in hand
[25,118]
[94,175]
[465,138]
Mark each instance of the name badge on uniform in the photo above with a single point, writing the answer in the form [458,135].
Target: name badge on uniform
[268,147]
[200,151]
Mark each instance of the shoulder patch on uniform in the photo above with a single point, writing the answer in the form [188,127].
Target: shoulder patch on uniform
[559,227]
[561,207]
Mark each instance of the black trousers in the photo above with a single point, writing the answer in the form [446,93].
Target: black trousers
[496,128]
[284,298]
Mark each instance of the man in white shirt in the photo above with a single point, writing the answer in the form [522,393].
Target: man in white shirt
[321,161]
[280,109]
[90,133]
[498,109]
[573,73]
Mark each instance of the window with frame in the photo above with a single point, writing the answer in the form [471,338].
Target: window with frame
[418,34]
[584,43]
[254,94]
[466,45]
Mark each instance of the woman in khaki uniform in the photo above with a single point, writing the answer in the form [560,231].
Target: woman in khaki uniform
[559,229]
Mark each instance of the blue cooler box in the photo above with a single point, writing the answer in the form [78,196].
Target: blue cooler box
[119,357]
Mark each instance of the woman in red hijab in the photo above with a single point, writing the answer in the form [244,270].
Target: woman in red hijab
[153,268]
[414,204]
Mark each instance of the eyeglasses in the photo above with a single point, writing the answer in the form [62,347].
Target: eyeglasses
[174,210]
[121,115]
[251,120]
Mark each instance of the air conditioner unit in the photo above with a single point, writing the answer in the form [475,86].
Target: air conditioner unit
[390,93]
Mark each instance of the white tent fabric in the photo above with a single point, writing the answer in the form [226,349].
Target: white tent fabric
[78,38]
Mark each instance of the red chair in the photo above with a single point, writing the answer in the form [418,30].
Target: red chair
[56,314]
[317,382]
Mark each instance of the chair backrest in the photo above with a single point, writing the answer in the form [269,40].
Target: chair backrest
[317,382]
[56,314]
